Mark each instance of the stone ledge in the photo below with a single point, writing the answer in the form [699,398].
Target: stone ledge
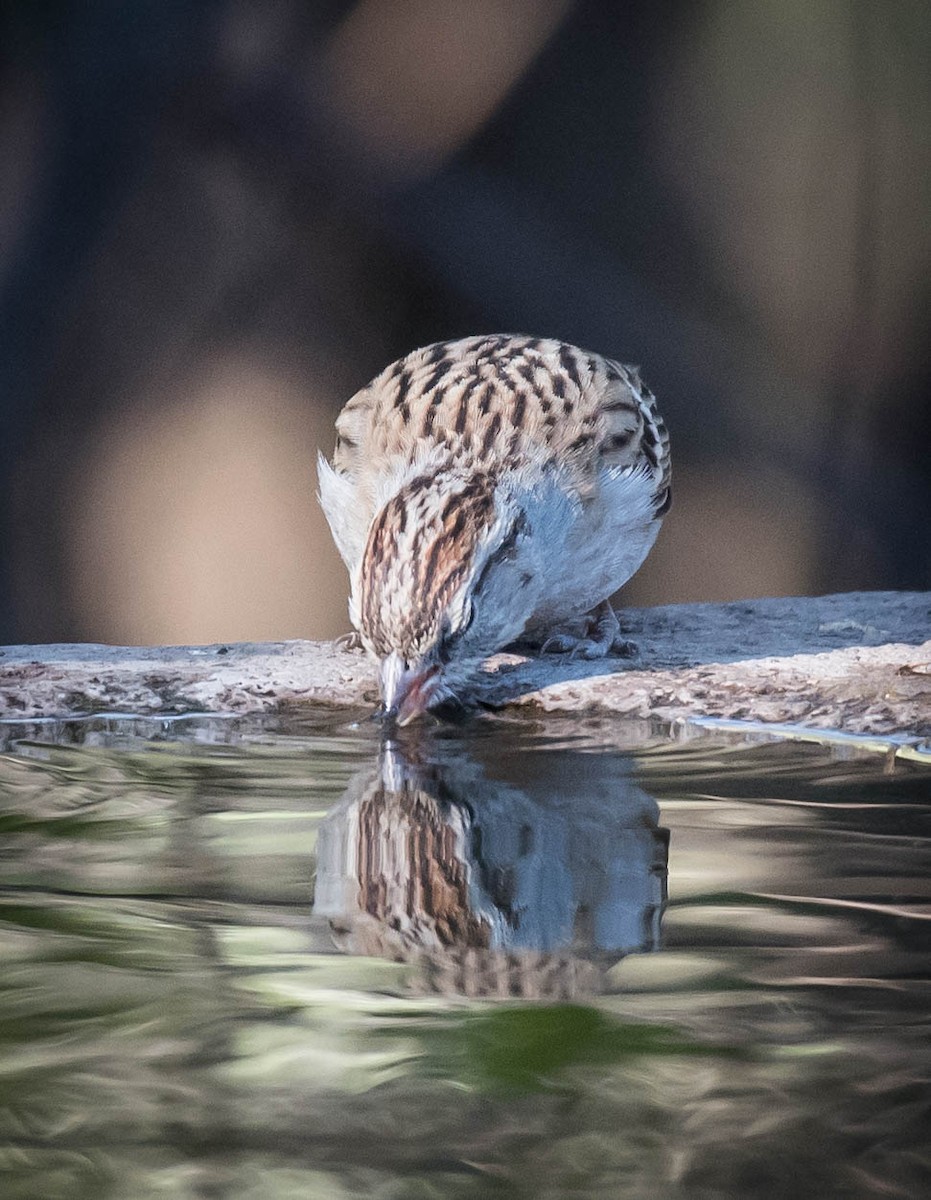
[859,662]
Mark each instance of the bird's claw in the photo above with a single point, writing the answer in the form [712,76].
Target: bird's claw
[602,637]
[575,647]
[349,641]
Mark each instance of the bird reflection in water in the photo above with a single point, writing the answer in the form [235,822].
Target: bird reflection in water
[500,872]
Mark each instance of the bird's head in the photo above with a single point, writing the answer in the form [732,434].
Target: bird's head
[446,578]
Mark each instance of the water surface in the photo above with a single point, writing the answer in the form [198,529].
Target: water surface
[279,959]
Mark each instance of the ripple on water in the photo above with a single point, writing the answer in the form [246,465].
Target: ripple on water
[277,958]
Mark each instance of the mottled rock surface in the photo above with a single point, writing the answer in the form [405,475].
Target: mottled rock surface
[859,662]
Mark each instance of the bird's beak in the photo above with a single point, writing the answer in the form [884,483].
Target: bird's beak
[407,691]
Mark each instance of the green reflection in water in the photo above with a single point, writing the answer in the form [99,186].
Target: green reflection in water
[530,1049]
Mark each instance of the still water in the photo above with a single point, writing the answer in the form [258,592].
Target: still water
[258,961]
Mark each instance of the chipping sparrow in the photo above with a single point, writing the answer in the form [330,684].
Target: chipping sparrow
[486,491]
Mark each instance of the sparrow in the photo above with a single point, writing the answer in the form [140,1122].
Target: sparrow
[490,491]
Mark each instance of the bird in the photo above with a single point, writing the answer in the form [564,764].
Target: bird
[486,492]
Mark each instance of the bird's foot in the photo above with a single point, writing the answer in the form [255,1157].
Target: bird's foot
[600,636]
[349,641]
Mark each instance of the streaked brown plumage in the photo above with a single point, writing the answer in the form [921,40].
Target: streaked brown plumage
[488,489]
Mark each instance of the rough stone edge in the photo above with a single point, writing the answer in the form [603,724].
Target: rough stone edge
[865,668]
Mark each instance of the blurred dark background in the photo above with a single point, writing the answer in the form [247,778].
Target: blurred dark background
[218,218]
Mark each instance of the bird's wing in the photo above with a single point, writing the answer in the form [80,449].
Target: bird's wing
[497,402]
